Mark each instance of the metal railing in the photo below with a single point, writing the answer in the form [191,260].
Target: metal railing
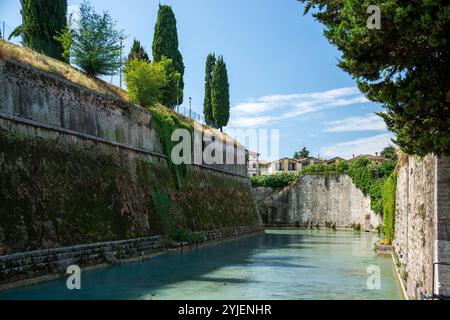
[186,111]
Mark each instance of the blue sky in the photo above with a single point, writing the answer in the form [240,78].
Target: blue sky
[282,70]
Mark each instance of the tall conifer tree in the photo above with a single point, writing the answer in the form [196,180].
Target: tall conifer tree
[207,104]
[42,21]
[220,93]
[165,44]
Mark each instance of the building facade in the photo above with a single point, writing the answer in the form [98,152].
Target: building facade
[253,164]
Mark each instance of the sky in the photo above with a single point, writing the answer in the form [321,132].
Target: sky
[282,70]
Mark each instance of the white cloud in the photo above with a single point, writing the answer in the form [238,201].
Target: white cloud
[368,122]
[270,109]
[359,146]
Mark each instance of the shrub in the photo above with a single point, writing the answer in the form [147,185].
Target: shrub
[145,82]
[279,180]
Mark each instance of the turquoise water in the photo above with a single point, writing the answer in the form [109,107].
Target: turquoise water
[282,264]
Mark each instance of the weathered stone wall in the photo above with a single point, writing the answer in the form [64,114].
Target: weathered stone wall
[422,224]
[262,193]
[31,94]
[320,200]
[77,167]
[22,266]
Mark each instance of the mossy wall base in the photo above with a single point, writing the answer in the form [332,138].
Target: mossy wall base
[60,190]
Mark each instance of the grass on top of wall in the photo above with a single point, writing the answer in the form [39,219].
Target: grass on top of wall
[9,51]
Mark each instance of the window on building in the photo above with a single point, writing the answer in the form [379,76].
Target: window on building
[305,164]
[279,167]
[291,167]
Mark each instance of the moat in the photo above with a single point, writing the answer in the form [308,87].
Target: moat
[281,264]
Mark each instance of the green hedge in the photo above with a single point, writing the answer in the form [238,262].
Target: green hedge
[276,181]
[388,195]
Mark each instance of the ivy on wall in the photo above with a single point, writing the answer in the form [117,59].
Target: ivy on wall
[73,191]
[388,195]
[166,122]
[375,180]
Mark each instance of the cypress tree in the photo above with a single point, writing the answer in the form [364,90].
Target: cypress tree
[138,52]
[165,44]
[220,93]
[42,21]
[207,104]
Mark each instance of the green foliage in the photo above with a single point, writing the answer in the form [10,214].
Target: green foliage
[168,219]
[65,38]
[165,44]
[145,82]
[404,65]
[367,176]
[165,123]
[207,104]
[109,199]
[150,83]
[171,90]
[96,46]
[220,93]
[388,195]
[304,153]
[279,180]
[138,52]
[390,153]
[326,169]
[42,20]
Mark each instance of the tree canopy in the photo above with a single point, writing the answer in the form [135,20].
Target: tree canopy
[404,65]
[138,52]
[42,20]
[304,153]
[390,153]
[165,44]
[96,46]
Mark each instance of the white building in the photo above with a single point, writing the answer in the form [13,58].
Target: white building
[253,164]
